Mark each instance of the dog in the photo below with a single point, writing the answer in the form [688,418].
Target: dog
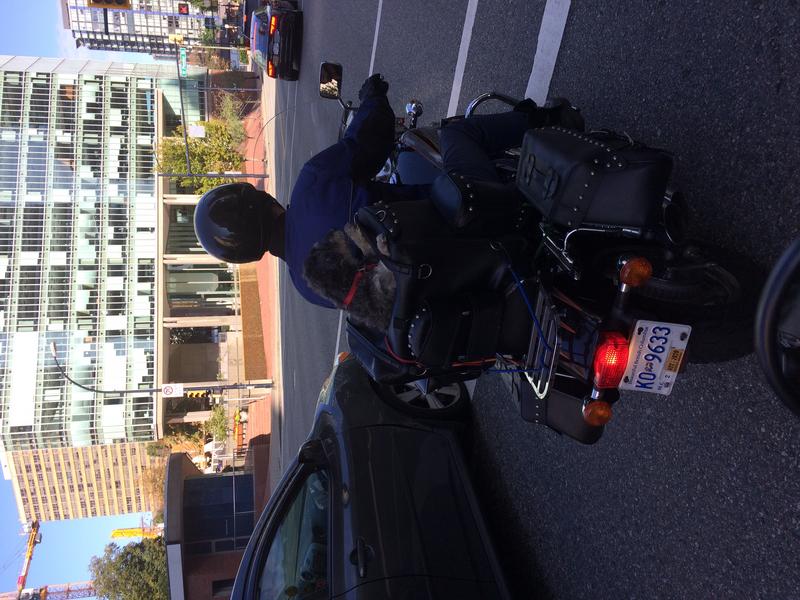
[360,284]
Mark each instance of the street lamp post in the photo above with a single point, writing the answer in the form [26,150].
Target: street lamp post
[230,386]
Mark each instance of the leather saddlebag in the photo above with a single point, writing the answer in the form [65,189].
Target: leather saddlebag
[600,178]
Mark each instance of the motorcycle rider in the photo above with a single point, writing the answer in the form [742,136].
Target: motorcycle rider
[237,223]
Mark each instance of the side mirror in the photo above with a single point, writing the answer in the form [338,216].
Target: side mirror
[312,453]
[330,81]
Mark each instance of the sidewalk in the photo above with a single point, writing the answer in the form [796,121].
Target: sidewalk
[260,324]
[268,276]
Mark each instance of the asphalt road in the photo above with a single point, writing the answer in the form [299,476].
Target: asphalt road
[692,496]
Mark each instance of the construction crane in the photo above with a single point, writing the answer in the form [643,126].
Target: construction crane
[64,591]
[34,537]
[143,532]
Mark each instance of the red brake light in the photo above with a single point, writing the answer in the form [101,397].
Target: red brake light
[273,24]
[270,69]
[610,359]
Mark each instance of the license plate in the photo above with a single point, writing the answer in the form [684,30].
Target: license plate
[655,355]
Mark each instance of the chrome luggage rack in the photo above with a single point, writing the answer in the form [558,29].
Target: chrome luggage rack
[543,349]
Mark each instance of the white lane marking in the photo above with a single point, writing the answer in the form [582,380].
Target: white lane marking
[463,50]
[338,335]
[551,33]
[375,39]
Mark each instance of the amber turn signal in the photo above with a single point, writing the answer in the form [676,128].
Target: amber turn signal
[636,271]
[343,356]
[597,413]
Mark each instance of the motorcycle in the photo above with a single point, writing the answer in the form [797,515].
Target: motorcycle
[596,299]
[777,328]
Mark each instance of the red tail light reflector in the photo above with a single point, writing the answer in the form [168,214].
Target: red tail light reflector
[273,24]
[597,412]
[270,69]
[610,360]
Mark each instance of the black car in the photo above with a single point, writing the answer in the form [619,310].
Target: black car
[276,38]
[777,328]
[377,504]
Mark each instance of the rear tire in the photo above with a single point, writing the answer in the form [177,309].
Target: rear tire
[715,291]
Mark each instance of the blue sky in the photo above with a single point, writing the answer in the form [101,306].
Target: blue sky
[33,28]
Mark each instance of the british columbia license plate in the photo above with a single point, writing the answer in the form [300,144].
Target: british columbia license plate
[655,354]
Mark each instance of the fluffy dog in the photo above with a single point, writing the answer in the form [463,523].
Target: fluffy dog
[361,285]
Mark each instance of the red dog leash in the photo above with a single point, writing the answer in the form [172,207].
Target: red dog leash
[356,282]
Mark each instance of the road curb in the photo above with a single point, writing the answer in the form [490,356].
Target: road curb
[268,101]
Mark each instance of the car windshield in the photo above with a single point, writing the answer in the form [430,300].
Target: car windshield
[262,35]
[297,563]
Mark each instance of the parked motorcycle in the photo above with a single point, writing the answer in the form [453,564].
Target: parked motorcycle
[586,288]
[777,328]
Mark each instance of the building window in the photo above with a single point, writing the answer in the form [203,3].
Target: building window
[201,290]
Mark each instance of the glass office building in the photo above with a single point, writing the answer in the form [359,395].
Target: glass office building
[78,249]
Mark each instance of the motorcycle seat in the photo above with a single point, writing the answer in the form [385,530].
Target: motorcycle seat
[434,265]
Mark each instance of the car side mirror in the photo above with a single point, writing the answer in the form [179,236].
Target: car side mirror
[313,453]
[330,81]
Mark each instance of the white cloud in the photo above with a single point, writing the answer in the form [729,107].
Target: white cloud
[66,45]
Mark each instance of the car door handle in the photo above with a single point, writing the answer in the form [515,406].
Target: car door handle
[361,555]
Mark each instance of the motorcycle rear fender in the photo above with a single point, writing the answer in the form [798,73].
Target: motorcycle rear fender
[561,410]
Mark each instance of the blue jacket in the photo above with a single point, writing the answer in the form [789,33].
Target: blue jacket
[335,183]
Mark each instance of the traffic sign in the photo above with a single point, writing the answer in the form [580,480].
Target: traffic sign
[184,71]
[172,390]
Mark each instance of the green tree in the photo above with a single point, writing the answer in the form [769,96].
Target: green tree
[217,425]
[230,111]
[208,37]
[215,153]
[157,449]
[136,571]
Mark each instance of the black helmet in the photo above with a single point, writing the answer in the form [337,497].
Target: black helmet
[230,222]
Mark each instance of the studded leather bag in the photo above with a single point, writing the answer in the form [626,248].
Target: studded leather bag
[599,179]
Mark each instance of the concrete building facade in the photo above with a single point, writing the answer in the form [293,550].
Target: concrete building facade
[52,484]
